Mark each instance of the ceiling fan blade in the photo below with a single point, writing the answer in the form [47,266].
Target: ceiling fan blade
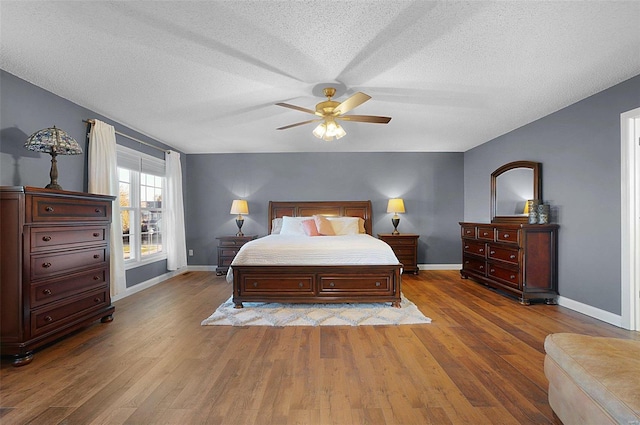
[297,124]
[352,102]
[365,118]
[297,108]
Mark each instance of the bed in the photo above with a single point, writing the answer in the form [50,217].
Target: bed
[317,283]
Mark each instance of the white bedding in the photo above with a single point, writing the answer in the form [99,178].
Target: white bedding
[295,250]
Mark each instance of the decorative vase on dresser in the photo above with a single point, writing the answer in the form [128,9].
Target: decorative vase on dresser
[54,270]
[520,259]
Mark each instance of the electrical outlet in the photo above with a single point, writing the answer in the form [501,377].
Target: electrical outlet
[191,253]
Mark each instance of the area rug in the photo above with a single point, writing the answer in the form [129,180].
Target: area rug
[282,314]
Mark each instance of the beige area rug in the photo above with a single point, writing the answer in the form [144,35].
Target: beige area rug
[277,314]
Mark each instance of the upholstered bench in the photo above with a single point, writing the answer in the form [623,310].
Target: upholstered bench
[593,380]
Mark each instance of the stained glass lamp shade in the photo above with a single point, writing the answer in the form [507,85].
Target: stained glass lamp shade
[54,142]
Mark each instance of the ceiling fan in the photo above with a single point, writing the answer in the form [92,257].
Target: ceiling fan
[331,111]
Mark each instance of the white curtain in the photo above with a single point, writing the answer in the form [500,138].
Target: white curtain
[103,180]
[174,212]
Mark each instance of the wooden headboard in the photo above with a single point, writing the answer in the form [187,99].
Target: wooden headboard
[361,209]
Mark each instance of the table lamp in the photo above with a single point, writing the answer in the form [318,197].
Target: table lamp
[239,206]
[395,206]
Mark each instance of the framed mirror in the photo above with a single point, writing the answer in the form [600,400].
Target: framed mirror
[511,186]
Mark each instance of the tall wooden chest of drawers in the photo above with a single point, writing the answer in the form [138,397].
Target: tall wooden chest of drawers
[520,259]
[54,266]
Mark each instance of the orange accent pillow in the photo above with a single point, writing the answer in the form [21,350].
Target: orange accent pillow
[309,227]
[323,225]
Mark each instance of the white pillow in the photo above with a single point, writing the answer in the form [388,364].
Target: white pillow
[345,225]
[276,226]
[293,225]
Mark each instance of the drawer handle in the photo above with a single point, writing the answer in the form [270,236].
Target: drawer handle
[512,256]
[46,291]
[48,319]
[97,299]
[466,247]
[492,252]
[96,234]
[466,262]
[300,284]
[96,278]
[506,236]
[96,256]
[255,284]
[492,270]
[512,276]
[481,250]
[378,284]
[48,209]
[481,267]
[46,265]
[46,238]
[485,234]
[468,232]
[98,210]
[332,284]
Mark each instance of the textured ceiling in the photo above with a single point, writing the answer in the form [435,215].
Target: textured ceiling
[204,77]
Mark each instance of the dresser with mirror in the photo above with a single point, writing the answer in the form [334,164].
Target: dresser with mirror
[509,254]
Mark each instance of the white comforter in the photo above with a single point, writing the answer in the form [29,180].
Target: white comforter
[317,250]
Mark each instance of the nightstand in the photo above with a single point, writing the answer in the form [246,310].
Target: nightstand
[405,246]
[228,247]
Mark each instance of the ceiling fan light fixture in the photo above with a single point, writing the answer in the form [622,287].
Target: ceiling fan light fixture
[332,127]
[320,130]
[330,110]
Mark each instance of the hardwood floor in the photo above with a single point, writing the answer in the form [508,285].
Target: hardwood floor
[479,362]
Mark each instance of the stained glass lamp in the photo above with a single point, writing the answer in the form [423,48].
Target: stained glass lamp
[54,142]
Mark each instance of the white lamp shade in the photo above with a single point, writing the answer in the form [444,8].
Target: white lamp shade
[239,206]
[395,205]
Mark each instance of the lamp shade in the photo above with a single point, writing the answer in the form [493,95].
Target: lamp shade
[239,206]
[395,205]
[53,140]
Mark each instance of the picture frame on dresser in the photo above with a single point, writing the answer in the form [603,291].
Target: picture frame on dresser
[54,275]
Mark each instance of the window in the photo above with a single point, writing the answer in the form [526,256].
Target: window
[142,182]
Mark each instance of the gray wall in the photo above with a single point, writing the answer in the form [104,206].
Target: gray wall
[430,183]
[25,109]
[579,148]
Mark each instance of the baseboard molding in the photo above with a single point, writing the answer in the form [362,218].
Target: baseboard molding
[202,268]
[596,313]
[148,284]
[439,266]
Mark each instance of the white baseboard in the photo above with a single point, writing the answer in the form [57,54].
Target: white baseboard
[596,313]
[148,284]
[158,279]
[202,268]
[439,266]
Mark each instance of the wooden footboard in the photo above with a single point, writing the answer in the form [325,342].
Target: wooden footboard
[317,284]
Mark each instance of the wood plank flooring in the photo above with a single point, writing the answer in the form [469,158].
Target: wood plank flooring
[479,362]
